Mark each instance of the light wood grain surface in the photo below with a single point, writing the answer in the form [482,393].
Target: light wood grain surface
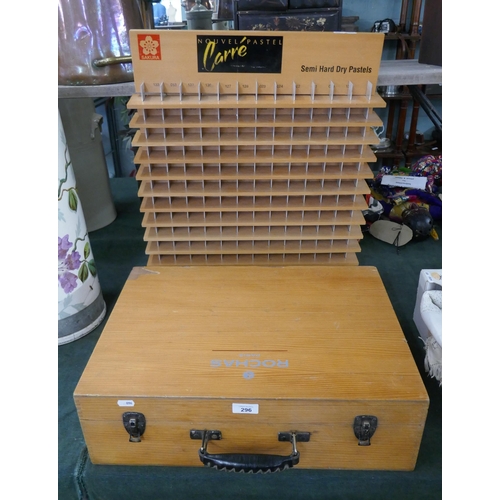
[312,346]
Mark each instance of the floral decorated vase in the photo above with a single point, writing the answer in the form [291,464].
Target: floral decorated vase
[81,307]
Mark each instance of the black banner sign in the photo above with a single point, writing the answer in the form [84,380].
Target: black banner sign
[239,54]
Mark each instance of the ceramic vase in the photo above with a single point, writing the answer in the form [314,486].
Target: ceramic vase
[81,307]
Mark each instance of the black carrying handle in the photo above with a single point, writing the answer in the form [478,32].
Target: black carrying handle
[249,463]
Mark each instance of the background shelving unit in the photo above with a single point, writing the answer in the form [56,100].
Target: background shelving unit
[406,40]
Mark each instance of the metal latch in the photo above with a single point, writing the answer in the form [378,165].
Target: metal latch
[364,428]
[135,425]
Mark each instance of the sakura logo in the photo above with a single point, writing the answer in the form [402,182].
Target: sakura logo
[149,47]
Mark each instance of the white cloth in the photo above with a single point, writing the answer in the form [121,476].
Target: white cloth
[431,311]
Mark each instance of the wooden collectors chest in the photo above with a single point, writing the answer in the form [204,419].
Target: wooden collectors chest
[267,359]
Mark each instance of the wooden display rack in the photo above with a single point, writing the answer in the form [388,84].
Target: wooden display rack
[253,148]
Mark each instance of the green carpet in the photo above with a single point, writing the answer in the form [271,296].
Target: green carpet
[119,247]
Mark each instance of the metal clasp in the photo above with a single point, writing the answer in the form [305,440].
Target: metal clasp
[135,425]
[364,427]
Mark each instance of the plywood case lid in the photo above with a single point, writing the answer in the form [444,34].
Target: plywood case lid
[298,332]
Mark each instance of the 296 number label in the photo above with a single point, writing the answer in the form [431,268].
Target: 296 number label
[245,408]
